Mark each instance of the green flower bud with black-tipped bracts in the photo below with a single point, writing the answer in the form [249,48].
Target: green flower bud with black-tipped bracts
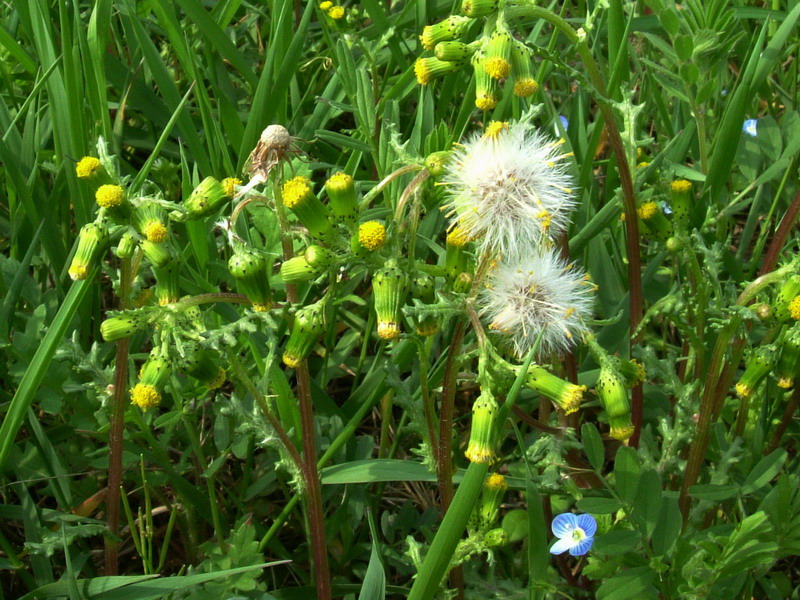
[758,366]
[430,68]
[654,220]
[436,162]
[789,292]
[112,197]
[451,28]
[297,270]
[632,371]
[301,200]
[342,198]
[521,70]
[614,398]
[482,442]
[455,52]
[681,203]
[150,221]
[152,377]
[309,265]
[308,325]
[167,288]
[204,365]
[498,53]
[92,170]
[496,538]
[249,268]
[478,8]
[158,254]
[494,488]
[486,90]
[205,199]
[122,325]
[389,288]
[463,283]
[424,288]
[126,246]
[456,257]
[91,239]
[789,361]
[567,396]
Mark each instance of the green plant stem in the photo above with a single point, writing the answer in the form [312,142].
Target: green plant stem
[699,446]
[116,431]
[579,40]
[335,446]
[444,454]
[786,419]
[438,557]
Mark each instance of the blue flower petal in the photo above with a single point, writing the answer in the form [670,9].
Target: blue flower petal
[582,547]
[750,127]
[562,545]
[588,524]
[564,121]
[564,524]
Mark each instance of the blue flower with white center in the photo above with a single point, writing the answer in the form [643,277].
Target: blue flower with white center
[574,532]
[750,127]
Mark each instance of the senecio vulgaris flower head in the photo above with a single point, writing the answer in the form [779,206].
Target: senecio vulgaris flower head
[538,294]
[509,188]
[574,532]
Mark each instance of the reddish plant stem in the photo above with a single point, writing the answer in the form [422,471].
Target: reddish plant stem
[116,432]
[444,456]
[788,414]
[776,245]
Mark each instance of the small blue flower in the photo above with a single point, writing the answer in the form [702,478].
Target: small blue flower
[574,532]
[750,127]
[564,122]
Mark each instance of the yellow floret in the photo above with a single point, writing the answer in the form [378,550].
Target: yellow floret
[109,196]
[290,361]
[86,167]
[681,185]
[785,382]
[571,400]
[525,87]
[339,182]
[496,481]
[78,272]
[743,390]
[155,231]
[295,191]
[642,165]
[372,235]
[145,396]
[497,67]
[794,308]
[477,453]
[495,128]
[336,12]
[388,330]
[485,102]
[229,185]
[427,329]
[422,71]
[458,237]
[622,433]
[262,307]
[326,5]
[647,210]
[218,380]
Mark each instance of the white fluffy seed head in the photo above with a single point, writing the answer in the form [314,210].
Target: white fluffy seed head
[510,189]
[537,294]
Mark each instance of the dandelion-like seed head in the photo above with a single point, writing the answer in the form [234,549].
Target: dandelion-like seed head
[510,188]
[538,295]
